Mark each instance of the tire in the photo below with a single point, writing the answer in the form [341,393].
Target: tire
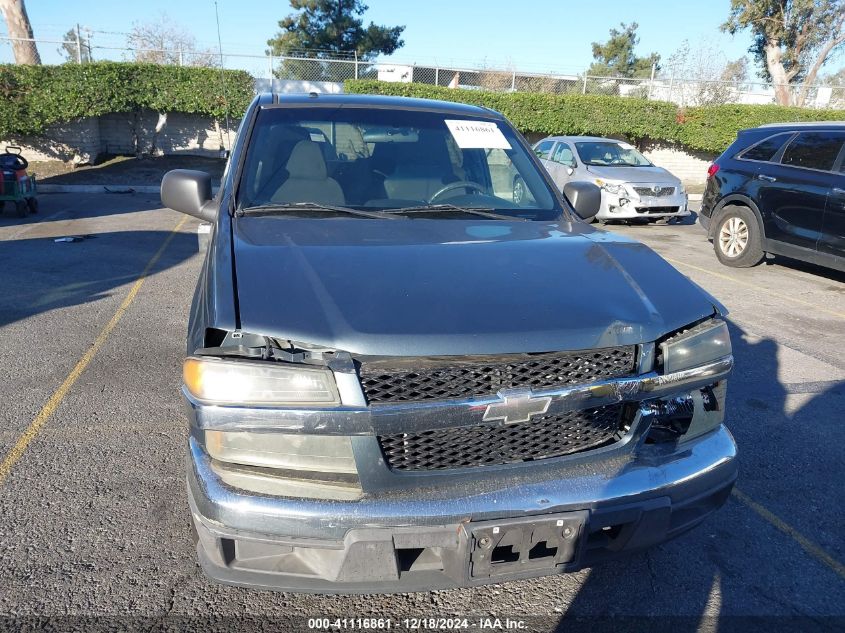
[33,205]
[518,191]
[21,208]
[736,239]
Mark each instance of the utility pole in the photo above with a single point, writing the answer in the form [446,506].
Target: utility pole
[78,44]
[651,81]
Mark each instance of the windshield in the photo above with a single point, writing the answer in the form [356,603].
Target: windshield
[383,160]
[610,153]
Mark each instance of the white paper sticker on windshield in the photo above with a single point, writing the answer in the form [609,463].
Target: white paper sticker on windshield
[477,134]
[626,146]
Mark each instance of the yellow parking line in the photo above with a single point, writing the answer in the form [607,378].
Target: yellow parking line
[55,400]
[814,306]
[811,548]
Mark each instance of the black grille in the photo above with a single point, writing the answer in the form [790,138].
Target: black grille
[460,376]
[657,209]
[648,191]
[489,445]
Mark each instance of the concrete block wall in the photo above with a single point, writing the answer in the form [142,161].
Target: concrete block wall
[690,167]
[82,140]
[77,141]
[183,133]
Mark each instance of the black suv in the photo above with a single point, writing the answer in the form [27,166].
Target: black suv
[779,189]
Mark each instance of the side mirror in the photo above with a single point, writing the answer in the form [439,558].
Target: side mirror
[189,191]
[585,198]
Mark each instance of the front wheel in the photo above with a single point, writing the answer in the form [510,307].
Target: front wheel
[737,239]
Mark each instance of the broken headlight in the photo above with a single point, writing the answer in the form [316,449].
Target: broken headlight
[686,415]
[704,343]
[218,381]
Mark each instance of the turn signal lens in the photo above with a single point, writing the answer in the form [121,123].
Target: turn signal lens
[712,170]
[315,453]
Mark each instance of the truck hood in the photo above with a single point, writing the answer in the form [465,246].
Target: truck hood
[634,174]
[441,287]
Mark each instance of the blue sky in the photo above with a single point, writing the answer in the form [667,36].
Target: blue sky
[539,35]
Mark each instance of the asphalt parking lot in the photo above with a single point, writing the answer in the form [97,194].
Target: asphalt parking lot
[93,510]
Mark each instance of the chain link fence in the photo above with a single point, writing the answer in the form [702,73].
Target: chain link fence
[682,91]
[269,70]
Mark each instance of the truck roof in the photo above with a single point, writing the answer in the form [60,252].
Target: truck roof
[376,101]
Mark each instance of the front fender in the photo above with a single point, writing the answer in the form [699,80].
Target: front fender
[735,198]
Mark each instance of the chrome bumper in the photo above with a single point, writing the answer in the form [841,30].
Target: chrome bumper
[329,546]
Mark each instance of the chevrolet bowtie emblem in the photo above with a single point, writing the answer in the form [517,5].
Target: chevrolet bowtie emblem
[517,407]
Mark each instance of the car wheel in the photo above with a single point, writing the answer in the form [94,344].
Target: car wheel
[737,238]
[518,190]
[21,208]
[33,205]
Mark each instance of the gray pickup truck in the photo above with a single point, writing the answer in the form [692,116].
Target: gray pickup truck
[399,378]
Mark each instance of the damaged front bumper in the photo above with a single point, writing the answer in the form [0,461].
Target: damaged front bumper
[437,539]
[628,206]
[430,530]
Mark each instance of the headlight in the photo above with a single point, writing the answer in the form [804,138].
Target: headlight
[217,381]
[313,453]
[610,187]
[702,344]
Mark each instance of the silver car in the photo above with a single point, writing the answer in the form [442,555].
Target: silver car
[632,187]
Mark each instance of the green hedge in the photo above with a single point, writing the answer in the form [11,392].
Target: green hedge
[704,128]
[33,97]
[712,128]
[544,113]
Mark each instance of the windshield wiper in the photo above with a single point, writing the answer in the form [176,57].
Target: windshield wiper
[268,209]
[443,208]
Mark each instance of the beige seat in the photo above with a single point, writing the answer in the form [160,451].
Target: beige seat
[308,179]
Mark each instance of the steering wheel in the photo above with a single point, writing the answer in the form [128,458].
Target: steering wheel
[13,161]
[617,161]
[456,185]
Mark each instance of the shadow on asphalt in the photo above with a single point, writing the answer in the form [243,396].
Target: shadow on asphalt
[687,220]
[787,455]
[78,206]
[39,275]
[812,269]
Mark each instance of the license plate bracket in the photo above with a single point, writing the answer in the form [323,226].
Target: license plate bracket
[524,544]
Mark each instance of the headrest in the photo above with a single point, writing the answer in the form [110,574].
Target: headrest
[306,162]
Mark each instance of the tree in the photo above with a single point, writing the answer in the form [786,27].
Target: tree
[161,41]
[616,56]
[703,75]
[17,23]
[736,71]
[793,39]
[76,51]
[325,29]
